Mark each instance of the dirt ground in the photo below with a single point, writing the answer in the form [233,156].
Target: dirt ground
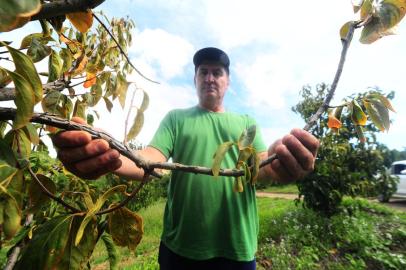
[396,203]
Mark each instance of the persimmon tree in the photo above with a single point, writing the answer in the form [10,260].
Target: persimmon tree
[50,218]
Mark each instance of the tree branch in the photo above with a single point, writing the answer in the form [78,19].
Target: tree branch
[62,7]
[8,93]
[326,103]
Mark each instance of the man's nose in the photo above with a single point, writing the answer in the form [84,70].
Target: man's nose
[209,77]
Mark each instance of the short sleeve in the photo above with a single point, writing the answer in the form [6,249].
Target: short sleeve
[164,137]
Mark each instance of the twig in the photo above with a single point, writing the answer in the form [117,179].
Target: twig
[315,117]
[121,49]
[129,197]
[50,195]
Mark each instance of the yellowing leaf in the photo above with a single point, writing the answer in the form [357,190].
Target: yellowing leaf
[384,100]
[219,156]
[126,227]
[256,161]
[24,100]
[360,134]
[81,20]
[247,137]
[90,80]
[356,4]
[137,126]
[11,216]
[5,79]
[145,101]
[36,195]
[11,22]
[344,30]
[333,122]
[367,9]
[54,66]
[357,114]
[20,8]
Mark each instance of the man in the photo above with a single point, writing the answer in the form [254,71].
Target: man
[206,224]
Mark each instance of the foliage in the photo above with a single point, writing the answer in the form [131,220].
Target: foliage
[362,236]
[345,165]
[87,64]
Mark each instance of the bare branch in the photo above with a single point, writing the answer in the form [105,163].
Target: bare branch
[326,103]
[62,7]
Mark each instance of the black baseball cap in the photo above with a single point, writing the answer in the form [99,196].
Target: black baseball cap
[211,54]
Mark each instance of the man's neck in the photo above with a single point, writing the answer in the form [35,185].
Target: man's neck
[216,108]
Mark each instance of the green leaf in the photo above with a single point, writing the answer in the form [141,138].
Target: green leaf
[7,173]
[90,215]
[111,249]
[126,227]
[25,67]
[145,102]
[31,133]
[55,65]
[137,126]
[19,143]
[24,100]
[360,134]
[378,113]
[219,156]
[7,154]
[20,8]
[384,100]
[37,197]
[52,245]
[94,96]
[357,114]
[247,137]
[79,109]
[38,51]
[56,103]
[109,104]
[11,215]
[67,59]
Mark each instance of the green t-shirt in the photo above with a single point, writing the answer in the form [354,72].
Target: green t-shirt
[204,217]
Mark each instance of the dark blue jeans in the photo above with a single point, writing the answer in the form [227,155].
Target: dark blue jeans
[168,260]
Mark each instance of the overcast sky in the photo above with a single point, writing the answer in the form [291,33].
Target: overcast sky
[275,47]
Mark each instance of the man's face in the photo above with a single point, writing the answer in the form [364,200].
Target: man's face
[211,81]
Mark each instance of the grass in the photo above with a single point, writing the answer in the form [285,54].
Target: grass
[365,236]
[290,188]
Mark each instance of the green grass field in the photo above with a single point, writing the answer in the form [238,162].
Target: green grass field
[365,236]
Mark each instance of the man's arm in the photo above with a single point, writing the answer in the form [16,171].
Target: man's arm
[296,157]
[91,158]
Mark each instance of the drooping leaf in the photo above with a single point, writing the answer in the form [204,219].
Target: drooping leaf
[137,126]
[238,185]
[67,59]
[31,133]
[11,22]
[219,156]
[11,215]
[111,250]
[26,42]
[48,245]
[145,102]
[94,96]
[256,161]
[109,104]
[81,20]
[90,215]
[121,89]
[367,9]
[126,227]
[344,30]
[7,154]
[24,100]
[357,114]
[378,113]
[247,137]
[20,143]
[55,66]
[56,103]
[244,154]
[384,100]
[388,14]
[360,134]
[5,79]
[79,109]
[37,197]
[333,122]
[38,51]
[25,67]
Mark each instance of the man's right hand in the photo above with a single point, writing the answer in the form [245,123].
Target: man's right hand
[83,156]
